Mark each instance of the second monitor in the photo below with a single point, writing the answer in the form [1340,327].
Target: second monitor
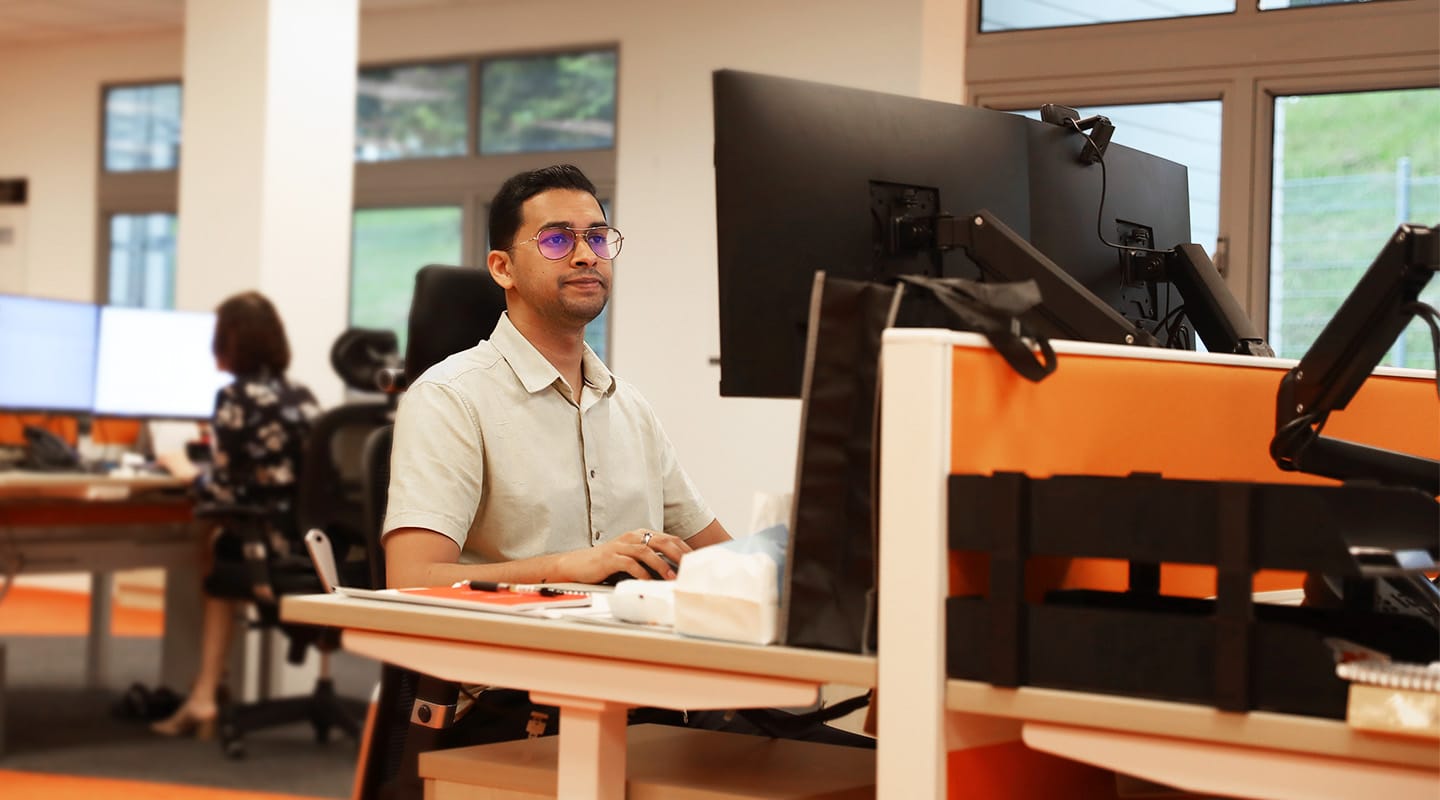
[157,364]
[811,177]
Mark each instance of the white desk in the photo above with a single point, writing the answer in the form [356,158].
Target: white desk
[950,405]
[72,522]
[592,673]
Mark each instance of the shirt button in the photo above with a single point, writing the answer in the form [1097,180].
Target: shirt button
[592,473]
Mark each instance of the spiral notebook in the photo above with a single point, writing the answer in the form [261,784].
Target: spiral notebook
[471,599]
[1393,697]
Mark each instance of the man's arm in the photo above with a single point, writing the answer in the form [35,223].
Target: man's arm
[422,557]
[714,533]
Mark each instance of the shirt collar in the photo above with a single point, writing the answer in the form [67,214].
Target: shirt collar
[534,371]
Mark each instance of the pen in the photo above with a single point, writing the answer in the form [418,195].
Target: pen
[523,588]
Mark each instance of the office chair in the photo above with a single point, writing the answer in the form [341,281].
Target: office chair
[330,496]
[452,309]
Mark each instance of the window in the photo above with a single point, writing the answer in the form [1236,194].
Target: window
[390,245]
[428,201]
[416,111]
[547,103]
[1317,107]
[142,127]
[142,260]
[1340,186]
[139,188]
[1008,15]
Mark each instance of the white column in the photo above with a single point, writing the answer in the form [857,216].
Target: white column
[267,165]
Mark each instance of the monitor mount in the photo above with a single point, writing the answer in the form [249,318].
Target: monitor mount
[1100,127]
[1369,321]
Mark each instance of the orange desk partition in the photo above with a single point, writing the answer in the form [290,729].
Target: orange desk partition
[1180,415]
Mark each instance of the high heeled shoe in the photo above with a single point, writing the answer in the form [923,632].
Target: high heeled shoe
[186,722]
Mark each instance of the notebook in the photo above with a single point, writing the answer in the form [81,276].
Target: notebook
[1393,697]
[450,597]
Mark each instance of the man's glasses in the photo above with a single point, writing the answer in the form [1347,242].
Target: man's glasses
[558,242]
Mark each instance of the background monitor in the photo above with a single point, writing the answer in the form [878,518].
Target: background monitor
[157,364]
[47,354]
[807,174]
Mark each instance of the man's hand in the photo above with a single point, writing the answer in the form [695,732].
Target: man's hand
[625,553]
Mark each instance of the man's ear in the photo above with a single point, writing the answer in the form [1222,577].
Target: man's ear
[498,262]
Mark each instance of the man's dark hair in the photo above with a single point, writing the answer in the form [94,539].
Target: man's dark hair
[249,336]
[505,214]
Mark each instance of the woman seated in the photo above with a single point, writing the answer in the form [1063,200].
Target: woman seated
[259,428]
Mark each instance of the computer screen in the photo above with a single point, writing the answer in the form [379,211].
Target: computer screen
[156,363]
[808,175]
[47,354]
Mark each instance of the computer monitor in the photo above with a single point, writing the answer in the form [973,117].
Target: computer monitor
[810,176]
[1147,205]
[157,364]
[47,354]
[794,166]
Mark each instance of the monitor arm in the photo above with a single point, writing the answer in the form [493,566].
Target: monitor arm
[1369,321]
[1068,310]
[1216,314]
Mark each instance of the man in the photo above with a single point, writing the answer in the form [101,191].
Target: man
[523,459]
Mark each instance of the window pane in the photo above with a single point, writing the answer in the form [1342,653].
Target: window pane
[390,246]
[142,127]
[1341,184]
[543,103]
[412,112]
[1186,133]
[142,260]
[1009,15]
[1270,5]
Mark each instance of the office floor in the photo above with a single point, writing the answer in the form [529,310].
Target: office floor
[54,727]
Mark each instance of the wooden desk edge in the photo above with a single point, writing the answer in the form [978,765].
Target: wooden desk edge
[1290,732]
[532,633]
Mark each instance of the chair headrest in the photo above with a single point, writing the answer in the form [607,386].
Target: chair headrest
[452,309]
[359,354]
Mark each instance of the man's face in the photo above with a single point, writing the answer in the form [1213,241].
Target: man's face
[571,291]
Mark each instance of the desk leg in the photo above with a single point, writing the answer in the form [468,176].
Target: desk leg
[180,645]
[97,646]
[592,746]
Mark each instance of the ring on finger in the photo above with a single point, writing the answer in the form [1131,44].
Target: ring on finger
[645,540]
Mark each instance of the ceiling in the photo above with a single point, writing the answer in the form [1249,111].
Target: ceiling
[32,22]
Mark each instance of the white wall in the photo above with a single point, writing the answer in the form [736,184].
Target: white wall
[50,134]
[665,299]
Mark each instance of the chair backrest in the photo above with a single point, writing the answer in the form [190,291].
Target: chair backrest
[331,494]
[376,482]
[452,309]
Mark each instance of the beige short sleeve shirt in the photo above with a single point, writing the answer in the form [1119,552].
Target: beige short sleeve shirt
[491,451]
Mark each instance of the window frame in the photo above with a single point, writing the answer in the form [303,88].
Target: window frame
[131,191]
[471,180]
[1245,59]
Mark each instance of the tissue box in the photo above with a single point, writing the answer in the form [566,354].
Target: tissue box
[724,594]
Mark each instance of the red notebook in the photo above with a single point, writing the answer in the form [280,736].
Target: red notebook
[450,597]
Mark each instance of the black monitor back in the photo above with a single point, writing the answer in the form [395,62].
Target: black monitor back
[794,162]
[1143,193]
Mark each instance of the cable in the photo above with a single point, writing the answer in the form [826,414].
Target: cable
[1428,313]
[1100,214]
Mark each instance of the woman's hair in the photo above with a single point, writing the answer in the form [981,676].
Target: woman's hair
[249,336]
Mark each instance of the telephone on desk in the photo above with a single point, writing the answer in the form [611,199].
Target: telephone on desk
[47,452]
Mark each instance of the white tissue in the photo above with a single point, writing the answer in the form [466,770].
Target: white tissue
[723,592]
